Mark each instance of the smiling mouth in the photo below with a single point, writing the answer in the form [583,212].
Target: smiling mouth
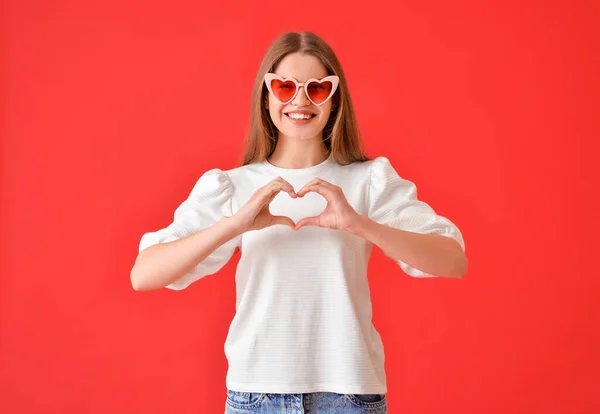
[303,117]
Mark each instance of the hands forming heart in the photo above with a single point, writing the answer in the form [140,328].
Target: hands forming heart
[338,215]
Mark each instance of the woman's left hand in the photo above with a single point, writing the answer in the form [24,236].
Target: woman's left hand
[338,214]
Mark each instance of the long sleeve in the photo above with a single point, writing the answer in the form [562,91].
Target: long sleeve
[209,201]
[393,201]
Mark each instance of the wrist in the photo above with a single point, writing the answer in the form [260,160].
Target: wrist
[232,225]
[360,225]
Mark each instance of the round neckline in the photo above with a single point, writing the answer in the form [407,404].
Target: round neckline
[313,168]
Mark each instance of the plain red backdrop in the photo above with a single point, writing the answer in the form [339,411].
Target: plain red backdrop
[112,110]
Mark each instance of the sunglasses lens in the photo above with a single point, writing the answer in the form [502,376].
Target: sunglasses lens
[319,92]
[283,90]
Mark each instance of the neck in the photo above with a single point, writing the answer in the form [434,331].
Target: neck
[298,153]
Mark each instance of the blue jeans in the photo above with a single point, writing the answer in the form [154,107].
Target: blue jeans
[313,403]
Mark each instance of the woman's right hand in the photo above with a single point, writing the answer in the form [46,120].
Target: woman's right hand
[255,214]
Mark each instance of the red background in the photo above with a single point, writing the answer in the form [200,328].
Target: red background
[110,113]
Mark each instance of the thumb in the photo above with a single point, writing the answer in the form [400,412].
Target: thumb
[306,221]
[284,220]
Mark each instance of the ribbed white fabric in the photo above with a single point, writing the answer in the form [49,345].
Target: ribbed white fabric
[303,308]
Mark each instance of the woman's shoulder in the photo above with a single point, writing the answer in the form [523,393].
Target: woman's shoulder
[213,181]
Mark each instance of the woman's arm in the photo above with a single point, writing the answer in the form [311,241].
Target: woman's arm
[431,253]
[161,264]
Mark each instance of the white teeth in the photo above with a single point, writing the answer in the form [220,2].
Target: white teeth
[299,116]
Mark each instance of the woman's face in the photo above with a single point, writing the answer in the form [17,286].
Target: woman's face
[301,67]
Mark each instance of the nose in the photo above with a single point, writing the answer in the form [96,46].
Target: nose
[300,99]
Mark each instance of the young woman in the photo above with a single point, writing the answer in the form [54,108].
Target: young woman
[305,209]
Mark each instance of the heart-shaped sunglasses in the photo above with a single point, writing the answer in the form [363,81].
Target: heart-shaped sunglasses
[318,91]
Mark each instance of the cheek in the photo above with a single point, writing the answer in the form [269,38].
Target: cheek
[326,112]
[275,109]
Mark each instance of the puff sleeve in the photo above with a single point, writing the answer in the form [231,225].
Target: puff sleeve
[393,201]
[208,202]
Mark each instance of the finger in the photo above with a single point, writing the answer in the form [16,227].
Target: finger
[311,182]
[320,181]
[288,185]
[286,221]
[279,184]
[307,221]
[270,198]
[317,188]
[270,191]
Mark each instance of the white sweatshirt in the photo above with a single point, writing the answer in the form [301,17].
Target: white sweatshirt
[303,308]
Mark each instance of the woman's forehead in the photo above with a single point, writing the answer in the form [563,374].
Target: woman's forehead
[301,67]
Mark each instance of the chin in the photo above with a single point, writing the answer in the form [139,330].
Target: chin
[302,135]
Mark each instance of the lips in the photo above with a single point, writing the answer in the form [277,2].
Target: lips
[300,112]
[304,113]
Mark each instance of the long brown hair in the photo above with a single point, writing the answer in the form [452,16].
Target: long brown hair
[341,135]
